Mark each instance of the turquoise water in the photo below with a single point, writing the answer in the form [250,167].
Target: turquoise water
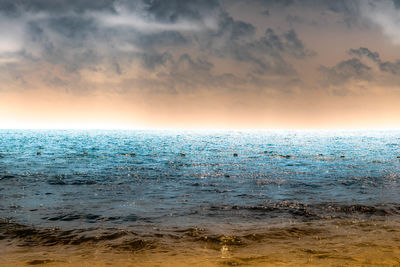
[180,179]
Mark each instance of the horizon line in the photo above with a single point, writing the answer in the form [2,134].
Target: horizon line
[199,129]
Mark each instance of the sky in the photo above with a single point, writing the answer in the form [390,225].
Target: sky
[200,64]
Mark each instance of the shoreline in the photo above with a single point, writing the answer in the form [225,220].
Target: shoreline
[368,242]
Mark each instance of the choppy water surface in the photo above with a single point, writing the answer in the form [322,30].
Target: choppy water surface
[179,187]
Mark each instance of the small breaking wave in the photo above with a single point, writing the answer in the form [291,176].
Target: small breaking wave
[313,211]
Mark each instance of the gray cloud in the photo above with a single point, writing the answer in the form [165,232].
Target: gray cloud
[384,14]
[278,2]
[295,46]
[365,66]
[19,7]
[348,12]
[384,66]
[186,74]
[362,51]
[265,12]
[396,3]
[337,6]
[295,20]
[175,10]
[266,54]
[344,71]
[153,60]
[236,29]
[179,42]
[391,67]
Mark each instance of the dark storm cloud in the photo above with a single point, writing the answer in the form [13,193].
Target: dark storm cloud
[199,65]
[18,7]
[367,66]
[174,10]
[236,40]
[267,52]
[167,11]
[160,40]
[174,41]
[362,51]
[186,74]
[63,40]
[295,46]
[348,10]
[265,12]
[346,70]
[338,6]
[396,3]
[65,28]
[72,27]
[152,60]
[384,66]
[295,20]
[391,67]
[278,2]
[236,29]
[69,34]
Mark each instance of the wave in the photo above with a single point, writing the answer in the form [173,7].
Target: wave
[29,236]
[127,240]
[316,211]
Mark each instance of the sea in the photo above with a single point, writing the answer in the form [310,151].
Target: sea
[201,198]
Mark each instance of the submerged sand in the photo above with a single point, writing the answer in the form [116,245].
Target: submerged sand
[330,243]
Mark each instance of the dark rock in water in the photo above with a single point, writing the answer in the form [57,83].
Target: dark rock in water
[227,175]
[235,154]
[38,153]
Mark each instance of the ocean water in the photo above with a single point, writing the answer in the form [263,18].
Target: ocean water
[218,194]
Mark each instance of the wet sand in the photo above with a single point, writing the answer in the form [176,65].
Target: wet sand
[330,243]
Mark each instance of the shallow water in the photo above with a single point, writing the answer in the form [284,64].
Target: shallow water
[288,197]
